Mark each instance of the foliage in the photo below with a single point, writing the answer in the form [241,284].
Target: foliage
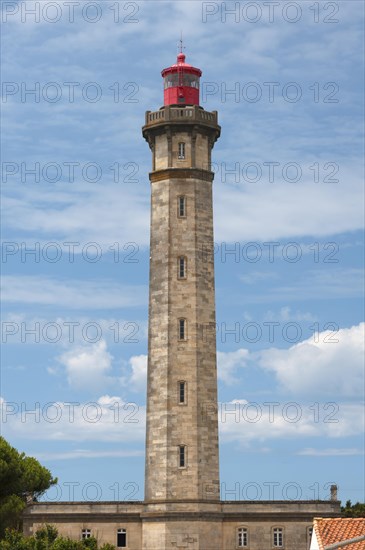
[48,534]
[11,508]
[13,540]
[21,478]
[67,544]
[47,538]
[91,543]
[353,510]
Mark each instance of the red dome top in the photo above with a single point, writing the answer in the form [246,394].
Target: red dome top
[181,83]
[181,65]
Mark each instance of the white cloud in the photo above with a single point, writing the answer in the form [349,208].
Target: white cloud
[100,294]
[284,210]
[330,363]
[88,367]
[229,362]
[248,422]
[111,419]
[331,452]
[108,419]
[138,378]
[53,371]
[286,314]
[87,453]
[58,214]
[316,284]
[68,330]
[298,210]
[257,276]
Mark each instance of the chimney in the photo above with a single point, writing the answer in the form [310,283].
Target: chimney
[333,492]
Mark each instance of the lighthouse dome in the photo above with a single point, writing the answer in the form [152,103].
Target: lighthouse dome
[181,83]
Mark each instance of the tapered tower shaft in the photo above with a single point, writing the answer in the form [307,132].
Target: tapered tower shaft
[182,426]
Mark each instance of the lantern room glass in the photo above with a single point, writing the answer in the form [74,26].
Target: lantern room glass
[172,80]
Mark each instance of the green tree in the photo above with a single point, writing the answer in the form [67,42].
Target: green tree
[21,478]
[47,538]
[353,510]
[13,540]
[67,544]
[91,543]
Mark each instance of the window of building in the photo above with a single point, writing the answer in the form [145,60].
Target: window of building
[242,537]
[182,456]
[181,207]
[182,329]
[181,150]
[278,537]
[86,533]
[121,538]
[182,392]
[181,266]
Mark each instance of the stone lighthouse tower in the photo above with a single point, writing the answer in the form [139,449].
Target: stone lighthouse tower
[182,465]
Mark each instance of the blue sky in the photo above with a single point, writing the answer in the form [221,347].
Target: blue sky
[287,81]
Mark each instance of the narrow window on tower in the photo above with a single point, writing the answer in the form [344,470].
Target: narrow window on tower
[278,537]
[181,267]
[181,207]
[121,538]
[182,392]
[182,329]
[181,153]
[182,456]
[242,537]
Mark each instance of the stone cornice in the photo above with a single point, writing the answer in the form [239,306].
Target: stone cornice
[190,118]
[77,517]
[181,173]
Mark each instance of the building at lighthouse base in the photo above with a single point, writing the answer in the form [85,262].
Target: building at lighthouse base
[226,525]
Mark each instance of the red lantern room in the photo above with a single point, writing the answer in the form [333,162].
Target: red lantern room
[181,83]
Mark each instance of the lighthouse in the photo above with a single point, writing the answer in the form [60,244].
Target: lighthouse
[182,464]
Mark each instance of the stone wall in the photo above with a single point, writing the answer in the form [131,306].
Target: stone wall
[189,526]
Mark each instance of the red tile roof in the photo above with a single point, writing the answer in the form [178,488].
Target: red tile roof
[331,530]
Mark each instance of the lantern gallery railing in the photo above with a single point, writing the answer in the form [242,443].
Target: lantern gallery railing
[190,113]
